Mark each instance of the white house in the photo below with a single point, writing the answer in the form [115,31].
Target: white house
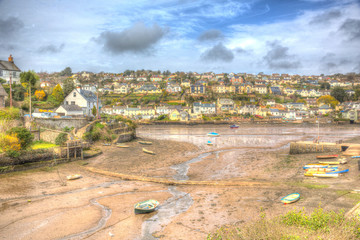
[204,108]
[8,70]
[84,99]
[70,110]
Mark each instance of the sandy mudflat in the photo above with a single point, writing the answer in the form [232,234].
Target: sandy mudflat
[41,204]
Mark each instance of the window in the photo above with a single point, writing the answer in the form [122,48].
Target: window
[74,94]
[67,103]
[72,102]
[1,72]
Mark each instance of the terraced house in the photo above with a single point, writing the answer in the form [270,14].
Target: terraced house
[148,88]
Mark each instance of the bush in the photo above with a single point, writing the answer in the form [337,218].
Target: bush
[25,137]
[61,139]
[9,114]
[10,144]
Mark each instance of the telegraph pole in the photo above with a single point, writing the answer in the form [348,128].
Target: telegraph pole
[30,98]
[10,90]
[97,102]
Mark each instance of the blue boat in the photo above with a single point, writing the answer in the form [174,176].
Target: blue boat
[234,126]
[355,157]
[293,197]
[343,171]
[213,134]
[209,143]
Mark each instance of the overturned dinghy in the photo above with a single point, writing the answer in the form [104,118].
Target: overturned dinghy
[73,177]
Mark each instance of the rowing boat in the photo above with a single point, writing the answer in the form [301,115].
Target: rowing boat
[73,177]
[209,143]
[213,134]
[122,146]
[326,156]
[293,197]
[355,157]
[326,175]
[234,126]
[146,206]
[148,152]
[316,165]
[145,142]
[330,163]
[342,171]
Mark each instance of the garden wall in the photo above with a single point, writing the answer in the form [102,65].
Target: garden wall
[61,123]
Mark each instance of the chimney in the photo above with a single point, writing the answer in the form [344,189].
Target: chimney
[11,59]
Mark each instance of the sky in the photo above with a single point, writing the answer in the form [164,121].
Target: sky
[280,36]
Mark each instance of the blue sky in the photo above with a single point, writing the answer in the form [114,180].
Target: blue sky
[283,36]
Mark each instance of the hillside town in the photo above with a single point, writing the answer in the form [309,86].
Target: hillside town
[180,96]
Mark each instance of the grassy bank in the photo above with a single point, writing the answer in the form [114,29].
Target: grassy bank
[294,225]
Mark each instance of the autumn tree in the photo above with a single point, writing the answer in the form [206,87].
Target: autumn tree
[40,95]
[327,99]
[58,94]
[301,101]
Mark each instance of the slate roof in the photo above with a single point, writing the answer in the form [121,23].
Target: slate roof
[10,66]
[88,95]
[71,108]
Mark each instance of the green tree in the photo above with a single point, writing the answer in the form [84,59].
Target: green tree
[68,86]
[25,137]
[327,99]
[339,94]
[58,94]
[325,85]
[29,77]
[2,81]
[94,111]
[18,92]
[66,72]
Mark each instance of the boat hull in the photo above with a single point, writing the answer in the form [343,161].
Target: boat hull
[326,175]
[326,156]
[73,177]
[147,206]
[148,152]
[145,143]
[293,197]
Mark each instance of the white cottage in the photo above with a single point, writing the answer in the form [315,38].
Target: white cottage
[8,70]
[84,99]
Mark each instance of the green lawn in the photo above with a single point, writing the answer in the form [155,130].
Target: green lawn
[42,145]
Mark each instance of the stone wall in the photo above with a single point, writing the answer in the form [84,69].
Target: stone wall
[49,135]
[125,137]
[61,123]
[310,147]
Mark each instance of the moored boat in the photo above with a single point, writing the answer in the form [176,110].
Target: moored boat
[326,175]
[330,163]
[292,197]
[213,134]
[355,157]
[342,171]
[148,152]
[234,126]
[316,165]
[73,177]
[145,142]
[326,156]
[209,143]
[122,146]
[146,206]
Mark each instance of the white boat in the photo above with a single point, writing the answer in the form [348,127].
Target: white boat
[326,175]
[73,177]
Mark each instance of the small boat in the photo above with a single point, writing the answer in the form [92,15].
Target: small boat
[106,144]
[310,173]
[326,156]
[342,171]
[330,163]
[122,146]
[146,206]
[209,143]
[73,177]
[326,175]
[293,197]
[145,142]
[213,134]
[234,126]
[355,157]
[316,165]
[148,152]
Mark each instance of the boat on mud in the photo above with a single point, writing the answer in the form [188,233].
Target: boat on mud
[146,206]
[317,165]
[213,134]
[326,156]
[234,126]
[326,175]
[209,143]
[73,177]
[122,146]
[292,197]
[148,151]
[145,142]
[330,163]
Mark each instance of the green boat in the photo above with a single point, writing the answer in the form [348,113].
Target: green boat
[145,142]
[146,206]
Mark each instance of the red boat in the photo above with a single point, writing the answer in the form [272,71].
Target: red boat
[234,126]
[326,156]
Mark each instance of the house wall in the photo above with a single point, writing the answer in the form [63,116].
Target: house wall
[61,123]
[5,74]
